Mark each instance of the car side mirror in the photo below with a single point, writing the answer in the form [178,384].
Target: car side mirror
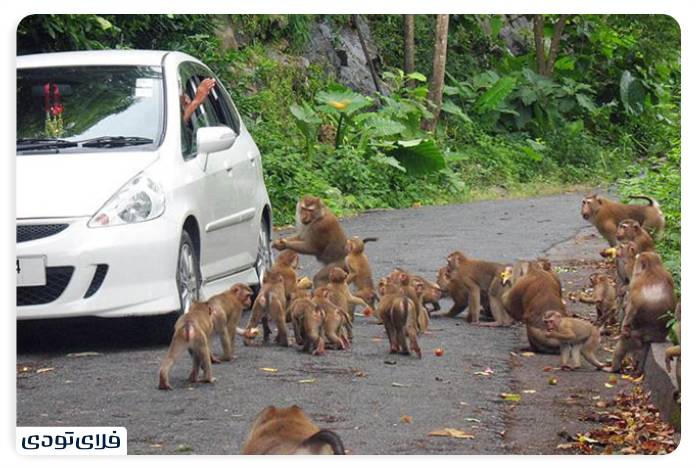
[214,139]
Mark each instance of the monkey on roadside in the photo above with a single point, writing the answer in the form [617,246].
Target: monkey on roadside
[288,431]
[285,265]
[606,215]
[603,297]
[405,282]
[650,296]
[307,321]
[320,234]
[359,272]
[475,277]
[337,326]
[533,292]
[431,293]
[631,230]
[398,314]
[269,306]
[576,337]
[192,331]
[231,304]
[342,296]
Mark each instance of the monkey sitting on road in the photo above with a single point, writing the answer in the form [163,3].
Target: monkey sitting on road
[630,230]
[399,314]
[576,336]
[603,296]
[359,272]
[288,431]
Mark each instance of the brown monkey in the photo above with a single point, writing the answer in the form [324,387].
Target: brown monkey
[477,276]
[576,336]
[320,234]
[630,230]
[308,321]
[269,305]
[398,314]
[431,293]
[603,296]
[402,279]
[192,331]
[532,295]
[285,265]
[337,326]
[650,297]
[674,351]
[231,304]
[359,272]
[288,431]
[606,214]
[342,296]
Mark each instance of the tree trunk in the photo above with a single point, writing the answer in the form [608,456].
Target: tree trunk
[555,44]
[545,65]
[366,52]
[409,44]
[437,80]
[539,44]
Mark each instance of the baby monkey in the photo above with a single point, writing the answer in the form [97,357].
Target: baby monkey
[576,337]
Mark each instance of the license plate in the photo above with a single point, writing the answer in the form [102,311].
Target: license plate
[31,271]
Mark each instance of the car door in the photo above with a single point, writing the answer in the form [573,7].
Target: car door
[221,210]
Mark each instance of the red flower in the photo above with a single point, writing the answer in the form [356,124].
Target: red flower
[56,109]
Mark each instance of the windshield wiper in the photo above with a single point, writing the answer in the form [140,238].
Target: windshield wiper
[25,144]
[115,141]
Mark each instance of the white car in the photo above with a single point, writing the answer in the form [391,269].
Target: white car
[123,207]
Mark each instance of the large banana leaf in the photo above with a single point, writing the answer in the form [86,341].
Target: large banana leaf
[419,156]
[496,94]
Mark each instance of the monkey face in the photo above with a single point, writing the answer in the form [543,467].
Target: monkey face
[337,275]
[628,229]
[419,287]
[309,209]
[590,205]
[551,320]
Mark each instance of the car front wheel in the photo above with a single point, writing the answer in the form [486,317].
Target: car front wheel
[264,256]
[188,280]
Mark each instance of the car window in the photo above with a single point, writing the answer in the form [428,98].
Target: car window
[188,83]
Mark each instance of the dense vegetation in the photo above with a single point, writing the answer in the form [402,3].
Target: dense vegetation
[607,113]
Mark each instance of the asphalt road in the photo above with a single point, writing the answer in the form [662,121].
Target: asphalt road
[352,392]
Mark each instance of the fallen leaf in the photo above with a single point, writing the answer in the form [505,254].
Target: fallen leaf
[472,420]
[182,448]
[553,381]
[399,385]
[529,391]
[528,354]
[155,445]
[268,369]
[406,419]
[450,432]
[307,381]
[608,385]
[612,379]
[566,446]
[510,396]
[85,354]
[390,362]
[45,369]
[548,369]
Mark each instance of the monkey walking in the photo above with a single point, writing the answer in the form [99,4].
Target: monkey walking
[398,313]
[191,331]
[288,431]
[606,215]
[269,306]
[576,337]
[231,303]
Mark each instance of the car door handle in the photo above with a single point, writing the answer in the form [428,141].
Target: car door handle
[252,158]
[229,167]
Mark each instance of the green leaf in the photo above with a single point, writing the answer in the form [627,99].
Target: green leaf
[103,23]
[343,100]
[422,158]
[451,108]
[496,94]
[566,62]
[417,77]
[632,93]
[496,26]
[585,102]
[381,126]
[389,161]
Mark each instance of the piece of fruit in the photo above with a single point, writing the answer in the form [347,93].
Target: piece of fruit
[439,352]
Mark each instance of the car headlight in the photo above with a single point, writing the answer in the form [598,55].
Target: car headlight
[141,199]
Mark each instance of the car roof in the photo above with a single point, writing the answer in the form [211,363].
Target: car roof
[99,57]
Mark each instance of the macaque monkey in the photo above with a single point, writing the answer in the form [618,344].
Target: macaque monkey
[192,331]
[431,293]
[398,313]
[531,295]
[630,230]
[403,279]
[269,305]
[576,336]
[337,326]
[359,272]
[285,265]
[288,431]
[231,304]
[308,321]
[342,296]
[606,215]
[650,297]
[320,234]
[603,296]
[477,276]
[674,351]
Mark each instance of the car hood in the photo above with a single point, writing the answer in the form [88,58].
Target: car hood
[70,185]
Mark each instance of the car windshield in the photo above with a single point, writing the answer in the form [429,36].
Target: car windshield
[88,108]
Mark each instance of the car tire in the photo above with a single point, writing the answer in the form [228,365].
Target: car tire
[188,285]
[264,255]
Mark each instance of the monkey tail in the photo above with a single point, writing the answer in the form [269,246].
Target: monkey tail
[370,239]
[324,436]
[651,200]
[188,330]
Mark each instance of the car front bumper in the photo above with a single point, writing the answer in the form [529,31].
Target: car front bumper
[113,271]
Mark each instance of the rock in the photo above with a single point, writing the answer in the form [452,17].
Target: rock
[662,384]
